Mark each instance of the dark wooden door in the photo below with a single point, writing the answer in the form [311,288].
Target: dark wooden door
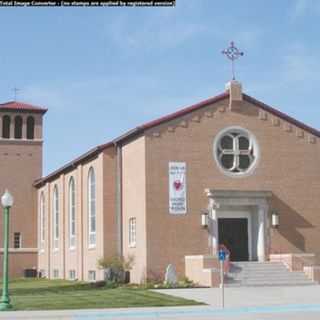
[233,233]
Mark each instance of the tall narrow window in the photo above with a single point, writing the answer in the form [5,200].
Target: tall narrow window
[6,127]
[132,232]
[72,213]
[42,221]
[17,127]
[55,213]
[17,240]
[30,128]
[92,207]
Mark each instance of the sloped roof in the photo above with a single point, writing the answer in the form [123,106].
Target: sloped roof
[140,129]
[21,106]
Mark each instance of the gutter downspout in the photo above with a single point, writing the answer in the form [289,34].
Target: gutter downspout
[119,198]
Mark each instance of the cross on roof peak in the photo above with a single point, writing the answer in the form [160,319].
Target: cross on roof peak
[15,91]
[232,53]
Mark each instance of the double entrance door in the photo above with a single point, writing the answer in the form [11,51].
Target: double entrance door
[233,233]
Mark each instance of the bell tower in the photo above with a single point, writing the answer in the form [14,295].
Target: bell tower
[21,142]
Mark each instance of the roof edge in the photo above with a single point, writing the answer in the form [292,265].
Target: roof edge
[282,115]
[27,107]
[140,129]
[72,164]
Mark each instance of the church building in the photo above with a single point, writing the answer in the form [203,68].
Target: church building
[228,172]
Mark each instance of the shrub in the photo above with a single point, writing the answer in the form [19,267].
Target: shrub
[115,268]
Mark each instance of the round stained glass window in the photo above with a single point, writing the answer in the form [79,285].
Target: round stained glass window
[236,151]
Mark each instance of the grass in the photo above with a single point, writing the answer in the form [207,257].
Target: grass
[43,294]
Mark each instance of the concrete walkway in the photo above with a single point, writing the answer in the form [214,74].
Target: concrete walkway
[251,296]
[241,304]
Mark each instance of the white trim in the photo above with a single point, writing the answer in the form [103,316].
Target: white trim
[235,200]
[72,213]
[42,221]
[56,218]
[22,250]
[256,151]
[132,228]
[92,204]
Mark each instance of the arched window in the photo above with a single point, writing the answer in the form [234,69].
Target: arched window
[17,127]
[30,128]
[6,127]
[72,213]
[55,213]
[92,207]
[42,221]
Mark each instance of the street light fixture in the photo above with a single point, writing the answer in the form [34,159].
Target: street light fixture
[7,202]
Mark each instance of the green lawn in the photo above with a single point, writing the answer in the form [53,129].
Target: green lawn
[42,294]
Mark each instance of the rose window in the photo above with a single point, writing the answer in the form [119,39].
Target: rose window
[235,151]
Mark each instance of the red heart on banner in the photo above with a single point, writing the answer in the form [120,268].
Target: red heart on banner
[177,185]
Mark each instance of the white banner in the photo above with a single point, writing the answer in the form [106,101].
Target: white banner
[177,188]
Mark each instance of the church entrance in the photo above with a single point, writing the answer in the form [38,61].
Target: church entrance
[233,233]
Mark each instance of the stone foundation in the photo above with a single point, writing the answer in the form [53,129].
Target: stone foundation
[203,270]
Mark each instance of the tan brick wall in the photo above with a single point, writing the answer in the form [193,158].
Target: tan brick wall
[21,165]
[109,202]
[288,166]
[134,204]
[81,258]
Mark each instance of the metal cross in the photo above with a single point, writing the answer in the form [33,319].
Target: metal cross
[15,90]
[232,54]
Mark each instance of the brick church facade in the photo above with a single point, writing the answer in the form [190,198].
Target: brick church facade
[21,164]
[229,171]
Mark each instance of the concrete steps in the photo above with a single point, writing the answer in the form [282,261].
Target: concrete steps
[264,274]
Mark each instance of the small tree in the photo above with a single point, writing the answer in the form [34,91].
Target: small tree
[115,267]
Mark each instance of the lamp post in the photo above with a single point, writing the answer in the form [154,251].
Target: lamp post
[7,202]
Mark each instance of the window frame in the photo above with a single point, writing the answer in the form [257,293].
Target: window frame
[42,221]
[14,240]
[132,237]
[92,206]
[92,275]
[72,213]
[252,143]
[56,218]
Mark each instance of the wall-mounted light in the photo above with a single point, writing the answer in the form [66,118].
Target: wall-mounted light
[275,219]
[204,218]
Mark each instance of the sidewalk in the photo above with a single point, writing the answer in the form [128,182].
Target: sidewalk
[259,303]
[251,296]
[292,312]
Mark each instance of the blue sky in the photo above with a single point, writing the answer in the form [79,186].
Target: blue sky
[102,71]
